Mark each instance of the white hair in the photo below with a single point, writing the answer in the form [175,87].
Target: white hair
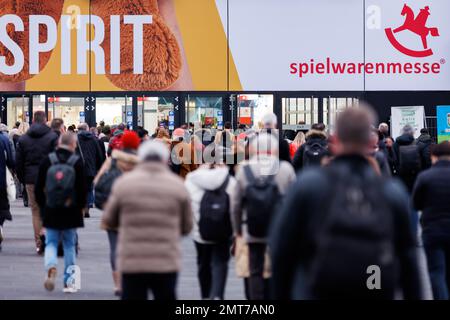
[264,143]
[269,120]
[155,150]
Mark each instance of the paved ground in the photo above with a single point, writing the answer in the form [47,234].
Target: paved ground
[22,271]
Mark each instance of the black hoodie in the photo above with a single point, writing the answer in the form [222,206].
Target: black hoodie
[32,148]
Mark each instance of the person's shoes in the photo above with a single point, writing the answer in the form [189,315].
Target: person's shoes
[87,215]
[25,203]
[69,289]
[49,283]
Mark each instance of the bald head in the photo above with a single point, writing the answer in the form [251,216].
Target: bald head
[68,141]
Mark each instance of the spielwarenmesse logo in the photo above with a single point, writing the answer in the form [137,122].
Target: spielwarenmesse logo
[416,25]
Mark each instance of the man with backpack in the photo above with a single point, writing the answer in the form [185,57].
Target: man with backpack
[314,150]
[343,231]
[213,199]
[61,194]
[262,181]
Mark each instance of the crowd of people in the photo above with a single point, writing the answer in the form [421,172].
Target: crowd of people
[303,218]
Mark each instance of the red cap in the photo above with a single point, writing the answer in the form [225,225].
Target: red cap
[130,140]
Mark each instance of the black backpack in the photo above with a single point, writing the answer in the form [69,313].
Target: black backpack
[104,184]
[215,221]
[409,160]
[60,182]
[313,154]
[356,231]
[261,198]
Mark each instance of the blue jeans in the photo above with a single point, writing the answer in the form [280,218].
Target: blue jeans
[437,250]
[69,241]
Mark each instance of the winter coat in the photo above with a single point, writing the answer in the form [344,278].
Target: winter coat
[284,177]
[431,195]
[312,137]
[89,151]
[6,161]
[293,238]
[203,179]
[61,218]
[424,143]
[405,140]
[32,148]
[151,208]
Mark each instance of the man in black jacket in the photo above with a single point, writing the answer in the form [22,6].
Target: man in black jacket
[89,150]
[316,135]
[32,147]
[344,213]
[408,156]
[431,195]
[424,142]
[61,223]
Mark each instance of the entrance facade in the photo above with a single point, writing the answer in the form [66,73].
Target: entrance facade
[295,110]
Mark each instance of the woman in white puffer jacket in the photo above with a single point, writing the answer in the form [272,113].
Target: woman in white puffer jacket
[212,256]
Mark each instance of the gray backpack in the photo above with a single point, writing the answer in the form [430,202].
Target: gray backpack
[60,182]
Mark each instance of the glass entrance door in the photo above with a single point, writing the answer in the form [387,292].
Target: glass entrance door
[114,110]
[251,108]
[206,111]
[17,110]
[154,112]
[70,109]
[299,113]
[332,106]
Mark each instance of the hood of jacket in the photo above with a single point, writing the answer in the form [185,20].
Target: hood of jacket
[38,130]
[405,140]
[316,134]
[425,138]
[85,135]
[123,156]
[208,179]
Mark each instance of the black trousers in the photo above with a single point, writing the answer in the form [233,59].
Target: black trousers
[256,284]
[212,263]
[135,286]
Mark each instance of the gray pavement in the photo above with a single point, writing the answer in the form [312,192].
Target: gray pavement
[22,271]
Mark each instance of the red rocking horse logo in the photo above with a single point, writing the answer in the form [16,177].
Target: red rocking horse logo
[416,25]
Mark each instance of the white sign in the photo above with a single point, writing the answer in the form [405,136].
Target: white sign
[408,115]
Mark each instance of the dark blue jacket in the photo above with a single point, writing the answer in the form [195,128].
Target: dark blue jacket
[32,148]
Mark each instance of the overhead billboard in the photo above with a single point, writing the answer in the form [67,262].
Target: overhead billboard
[220,45]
